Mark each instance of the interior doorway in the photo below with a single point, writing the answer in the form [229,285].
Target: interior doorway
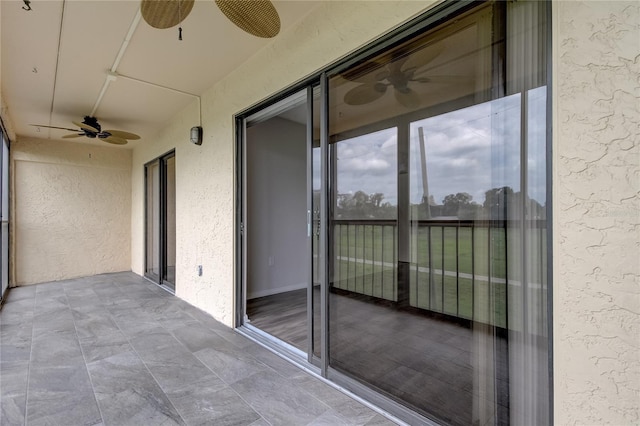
[278,221]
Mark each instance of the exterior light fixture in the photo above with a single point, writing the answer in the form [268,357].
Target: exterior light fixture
[196,135]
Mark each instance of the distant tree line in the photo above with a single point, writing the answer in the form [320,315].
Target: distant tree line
[361,205]
[499,204]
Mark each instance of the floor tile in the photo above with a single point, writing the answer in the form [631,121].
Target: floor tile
[230,364]
[115,349]
[56,348]
[380,420]
[105,345]
[20,293]
[128,394]
[173,367]
[195,337]
[275,362]
[202,405]
[15,342]
[332,418]
[286,403]
[61,395]
[13,392]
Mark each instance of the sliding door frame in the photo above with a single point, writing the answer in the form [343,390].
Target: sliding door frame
[159,279]
[5,182]
[435,16]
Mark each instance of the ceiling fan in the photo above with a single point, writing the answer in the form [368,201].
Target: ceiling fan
[256,17]
[400,73]
[90,128]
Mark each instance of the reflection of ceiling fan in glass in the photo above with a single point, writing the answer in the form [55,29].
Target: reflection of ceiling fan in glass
[256,17]
[375,78]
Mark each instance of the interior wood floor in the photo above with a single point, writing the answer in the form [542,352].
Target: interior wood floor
[436,367]
[282,315]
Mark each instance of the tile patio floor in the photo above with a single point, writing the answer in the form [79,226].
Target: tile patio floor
[115,349]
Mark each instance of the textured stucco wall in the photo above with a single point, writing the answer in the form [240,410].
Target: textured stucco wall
[205,174]
[597,212]
[72,210]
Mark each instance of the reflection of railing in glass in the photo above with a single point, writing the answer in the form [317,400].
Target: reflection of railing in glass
[365,257]
[459,268]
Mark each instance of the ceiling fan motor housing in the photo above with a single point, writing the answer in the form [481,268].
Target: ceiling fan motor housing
[93,122]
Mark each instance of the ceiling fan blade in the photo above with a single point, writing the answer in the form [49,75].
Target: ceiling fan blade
[257,17]
[408,98]
[75,135]
[123,135]
[54,127]
[421,57]
[365,93]
[445,79]
[114,140]
[86,127]
[163,14]
[367,73]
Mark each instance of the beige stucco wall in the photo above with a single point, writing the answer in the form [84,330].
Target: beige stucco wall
[205,174]
[71,210]
[596,183]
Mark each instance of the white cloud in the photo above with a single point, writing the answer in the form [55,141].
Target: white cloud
[469,150]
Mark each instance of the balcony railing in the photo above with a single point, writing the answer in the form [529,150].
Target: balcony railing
[458,268]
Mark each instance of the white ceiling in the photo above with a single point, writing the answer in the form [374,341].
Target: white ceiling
[56,58]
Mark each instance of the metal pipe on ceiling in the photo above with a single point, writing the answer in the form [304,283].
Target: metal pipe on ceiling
[110,76]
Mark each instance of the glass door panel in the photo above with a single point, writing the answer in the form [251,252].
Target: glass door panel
[169,278]
[318,258]
[278,222]
[160,219]
[153,220]
[400,303]
[4,212]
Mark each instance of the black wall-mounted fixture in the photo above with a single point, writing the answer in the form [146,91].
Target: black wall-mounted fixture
[196,135]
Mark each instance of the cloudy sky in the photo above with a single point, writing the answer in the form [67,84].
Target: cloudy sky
[470,150]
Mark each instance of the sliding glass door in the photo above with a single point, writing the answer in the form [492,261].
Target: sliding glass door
[408,197]
[4,213]
[160,217]
[279,220]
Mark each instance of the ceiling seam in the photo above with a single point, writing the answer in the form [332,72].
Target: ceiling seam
[123,47]
[55,74]
[115,75]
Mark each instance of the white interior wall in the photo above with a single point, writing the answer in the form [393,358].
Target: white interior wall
[596,184]
[276,208]
[71,210]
